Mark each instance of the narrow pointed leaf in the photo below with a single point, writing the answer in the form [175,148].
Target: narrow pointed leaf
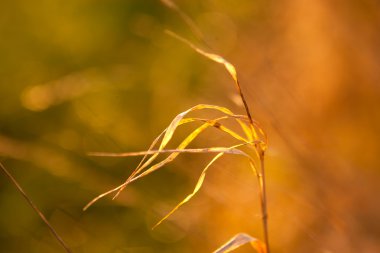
[240,240]
[222,151]
[228,66]
[169,132]
[214,57]
[189,150]
[196,189]
[151,159]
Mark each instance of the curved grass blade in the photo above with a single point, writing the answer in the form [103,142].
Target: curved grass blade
[172,156]
[179,119]
[196,189]
[183,145]
[240,240]
[141,166]
[208,150]
[101,196]
[132,178]
[214,57]
[175,122]
[169,132]
[150,151]
[176,153]
[228,66]
[170,4]
[221,152]
[189,150]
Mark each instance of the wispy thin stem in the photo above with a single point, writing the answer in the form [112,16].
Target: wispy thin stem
[264,208]
[244,102]
[193,27]
[30,202]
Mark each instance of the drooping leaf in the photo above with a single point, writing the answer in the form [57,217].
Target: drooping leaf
[240,240]
[150,151]
[167,135]
[207,150]
[169,132]
[189,150]
[230,69]
[221,152]
[177,121]
[196,189]
[172,156]
[214,57]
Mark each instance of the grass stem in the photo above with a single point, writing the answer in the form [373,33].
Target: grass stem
[30,202]
[264,209]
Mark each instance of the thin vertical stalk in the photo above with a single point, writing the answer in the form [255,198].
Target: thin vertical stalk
[244,101]
[30,202]
[263,197]
[262,181]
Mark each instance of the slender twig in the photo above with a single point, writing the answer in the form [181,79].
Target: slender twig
[227,150]
[261,176]
[244,102]
[30,202]
[264,209]
[193,27]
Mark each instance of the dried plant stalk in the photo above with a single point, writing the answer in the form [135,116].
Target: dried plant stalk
[253,137]
[35,208]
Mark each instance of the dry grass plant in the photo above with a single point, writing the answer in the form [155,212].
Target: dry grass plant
[251,136]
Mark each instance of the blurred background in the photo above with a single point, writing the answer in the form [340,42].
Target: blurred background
[91,75]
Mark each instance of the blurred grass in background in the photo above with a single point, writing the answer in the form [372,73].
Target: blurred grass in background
[80,76]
